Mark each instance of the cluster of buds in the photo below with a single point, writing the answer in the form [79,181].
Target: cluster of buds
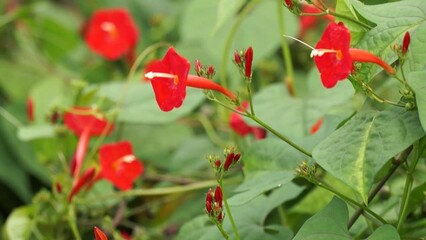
[214,208]
[306,171]
[203,71]
[220,167]
[231,158]
[244,61]
[401,50]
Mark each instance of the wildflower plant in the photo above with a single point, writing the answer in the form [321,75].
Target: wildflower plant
[311,113]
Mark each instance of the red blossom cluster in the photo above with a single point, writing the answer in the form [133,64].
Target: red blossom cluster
[214,205]
[118,164]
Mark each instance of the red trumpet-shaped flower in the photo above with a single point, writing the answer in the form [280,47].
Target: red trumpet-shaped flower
[334,57]
[119,165]
[84,122]
[111,33]
[170,77]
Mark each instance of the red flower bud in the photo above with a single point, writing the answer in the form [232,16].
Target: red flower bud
[405,43]
[228,161]
[99,235]
[288,3]
[198,67]
[30,109]
[237,157]
[220,217]
[217,163]
[316,126]
[218,196]
[209,200]
[237,58]
[248,55]
[210,71]
[58,187]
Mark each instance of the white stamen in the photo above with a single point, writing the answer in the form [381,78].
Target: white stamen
[152,75]
[300,41]
[129,158]
[320,52]
[108,26]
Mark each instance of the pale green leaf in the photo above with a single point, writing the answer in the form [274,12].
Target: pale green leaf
[357,151]
[140,106]
[417,81]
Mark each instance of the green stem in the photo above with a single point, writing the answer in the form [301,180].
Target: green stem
[370,93]
[395,164]
[250,97]
[10,118]
[282,137]
[228,211]
[351,201]
[285,50]
[408,187]
[72,222]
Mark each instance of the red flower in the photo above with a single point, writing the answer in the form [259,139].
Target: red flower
[111,33]
[84,122]
[334,57]
[169,78]
[237,123]
[99,235]
[119,165]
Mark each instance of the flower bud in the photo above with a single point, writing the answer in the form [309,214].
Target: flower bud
[218,196]
[288,4]
[248,55]
[198,67]
[229,160]
[237,58]
[209,201]
[405,43]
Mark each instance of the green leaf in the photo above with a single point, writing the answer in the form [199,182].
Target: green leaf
[345,8]
[328,224]
[387,232]
[27,133]
[294,116]
[393,20]
[250,219]
[225,10]
[140,106]
[19,223]
[417,81]
[357,151]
